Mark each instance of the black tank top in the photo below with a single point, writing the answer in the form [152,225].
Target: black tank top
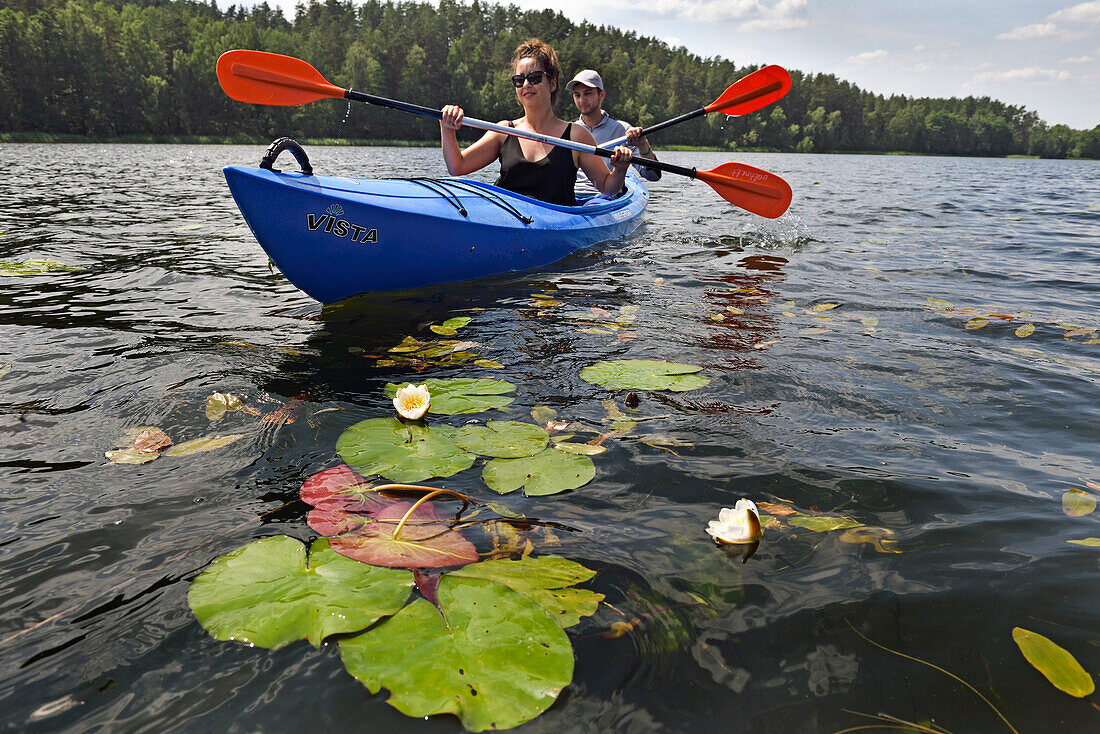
[550,179]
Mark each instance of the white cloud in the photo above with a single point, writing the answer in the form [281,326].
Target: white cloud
[1078,60]
[1078,15]
[756,15]
[1030,32]
[919,48]
[1029,74]
[1082,13]
[784,15]
[867,57]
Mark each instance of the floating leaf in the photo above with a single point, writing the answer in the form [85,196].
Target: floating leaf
[332,520]
[425,541]
[464,395]
[872,536]
[543,580]
[4,369]
[869,321]
[152,440]
[130,456]
[550,472]
[503,439]
[402,452]
[489,364]
[1025,330]
[580,449]
[825,306]
[1090,542]
[977,322]
[35,266]
[488,655]
[218,404]
[1054,662]
[202,445]
[450,326]
[644,374]
[777,509]
[343,488]
[266,594]
[823,524]
[1078,503]
[541,414]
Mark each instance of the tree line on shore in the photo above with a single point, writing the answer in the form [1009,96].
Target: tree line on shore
[116,68]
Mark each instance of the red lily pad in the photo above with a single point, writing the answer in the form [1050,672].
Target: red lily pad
[341,488]
[330,520]
[426,540]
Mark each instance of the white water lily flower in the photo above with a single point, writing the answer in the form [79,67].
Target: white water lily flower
[412,401]
[739,525]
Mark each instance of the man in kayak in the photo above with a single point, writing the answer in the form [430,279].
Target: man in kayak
[530,167]
[588,95]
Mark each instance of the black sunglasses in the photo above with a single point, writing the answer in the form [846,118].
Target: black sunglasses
[535,77]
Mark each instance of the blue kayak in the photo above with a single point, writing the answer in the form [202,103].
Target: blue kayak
[338,237]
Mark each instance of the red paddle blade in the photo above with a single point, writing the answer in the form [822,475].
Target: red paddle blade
[752,189]
[758,89]
[259,77]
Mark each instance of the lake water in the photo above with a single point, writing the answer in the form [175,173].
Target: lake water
[844,382]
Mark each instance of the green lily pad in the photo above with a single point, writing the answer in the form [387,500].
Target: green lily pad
[425,541]
[543,580]
[35,266]
[502,439]
[644,374]
[266,594]
[402,452]
[488,655]
[463,395]
[823,524]
[1054,662]
[549,472]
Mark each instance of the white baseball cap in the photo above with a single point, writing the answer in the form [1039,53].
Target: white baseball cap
[588,78]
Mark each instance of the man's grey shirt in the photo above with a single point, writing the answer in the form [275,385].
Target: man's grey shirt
[608,129]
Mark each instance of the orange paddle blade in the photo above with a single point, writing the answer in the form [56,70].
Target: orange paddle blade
[758,89]
[752,189]
[259,77]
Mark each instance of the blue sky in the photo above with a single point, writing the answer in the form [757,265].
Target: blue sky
[1039,54]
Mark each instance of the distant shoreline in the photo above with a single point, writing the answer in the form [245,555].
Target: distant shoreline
[370,143]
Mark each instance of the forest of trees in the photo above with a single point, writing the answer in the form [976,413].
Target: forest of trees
[117,68]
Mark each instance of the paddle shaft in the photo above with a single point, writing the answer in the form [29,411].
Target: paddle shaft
[741,99]
[416,109]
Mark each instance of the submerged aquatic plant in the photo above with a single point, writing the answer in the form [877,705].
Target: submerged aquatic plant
[738,525]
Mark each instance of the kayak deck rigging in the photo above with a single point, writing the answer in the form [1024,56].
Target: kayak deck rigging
[440,186]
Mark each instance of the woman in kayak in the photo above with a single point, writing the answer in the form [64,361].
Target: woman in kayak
[529,167]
